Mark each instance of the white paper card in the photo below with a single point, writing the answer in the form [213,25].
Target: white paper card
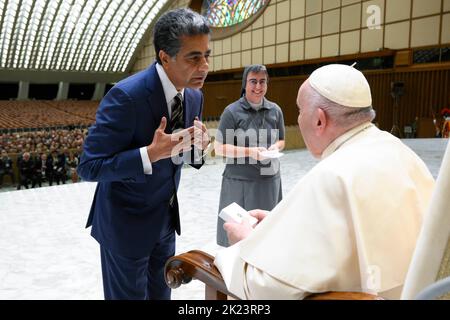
[235,213]
[272,154]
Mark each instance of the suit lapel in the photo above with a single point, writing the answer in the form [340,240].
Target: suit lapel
[156,98]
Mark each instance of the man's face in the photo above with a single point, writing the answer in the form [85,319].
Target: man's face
[306,120]
[189,68]
[256,86]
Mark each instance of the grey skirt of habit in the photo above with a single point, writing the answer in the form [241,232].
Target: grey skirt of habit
[249,194]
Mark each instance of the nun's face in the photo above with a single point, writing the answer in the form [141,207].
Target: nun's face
[256,87]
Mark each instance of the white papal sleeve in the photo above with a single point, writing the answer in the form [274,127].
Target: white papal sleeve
[247,282]
[147,165]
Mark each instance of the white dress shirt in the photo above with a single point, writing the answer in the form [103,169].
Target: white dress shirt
[169,92]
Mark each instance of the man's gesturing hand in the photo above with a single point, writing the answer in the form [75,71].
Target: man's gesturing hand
[166,145]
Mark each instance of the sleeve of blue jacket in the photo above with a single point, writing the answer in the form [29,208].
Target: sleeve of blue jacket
[108,154]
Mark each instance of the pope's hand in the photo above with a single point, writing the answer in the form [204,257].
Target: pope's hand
[259,214]
[237,231]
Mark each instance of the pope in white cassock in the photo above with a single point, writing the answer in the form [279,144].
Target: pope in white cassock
[351,223]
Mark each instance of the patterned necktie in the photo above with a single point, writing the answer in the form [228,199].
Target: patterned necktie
[176,121]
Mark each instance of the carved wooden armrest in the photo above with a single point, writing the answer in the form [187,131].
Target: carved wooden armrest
[199,265]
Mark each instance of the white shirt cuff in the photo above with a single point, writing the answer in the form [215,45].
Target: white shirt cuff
[145,161]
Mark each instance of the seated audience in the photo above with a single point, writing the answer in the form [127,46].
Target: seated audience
[6,167]
[26,170]
[40,170]
[42,141]
[57,173]
[72,164]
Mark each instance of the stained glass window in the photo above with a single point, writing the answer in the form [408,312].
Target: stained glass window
[227,13]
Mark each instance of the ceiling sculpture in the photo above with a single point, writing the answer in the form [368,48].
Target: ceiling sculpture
[73,35]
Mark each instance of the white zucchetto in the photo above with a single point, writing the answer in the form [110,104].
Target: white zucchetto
[342,84]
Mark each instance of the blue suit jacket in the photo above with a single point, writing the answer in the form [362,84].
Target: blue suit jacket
[130,210]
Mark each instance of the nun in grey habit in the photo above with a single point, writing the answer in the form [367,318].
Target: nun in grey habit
[247,127]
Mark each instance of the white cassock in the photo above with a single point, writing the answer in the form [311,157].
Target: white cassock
[350,224]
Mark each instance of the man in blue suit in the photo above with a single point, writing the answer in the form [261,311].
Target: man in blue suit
[143,125]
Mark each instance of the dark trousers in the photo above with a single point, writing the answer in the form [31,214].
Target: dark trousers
[8,173]
[54,177]
[37,180]
[126,278]
[24,181]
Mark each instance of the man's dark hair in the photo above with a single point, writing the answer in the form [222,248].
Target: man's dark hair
[175,24]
